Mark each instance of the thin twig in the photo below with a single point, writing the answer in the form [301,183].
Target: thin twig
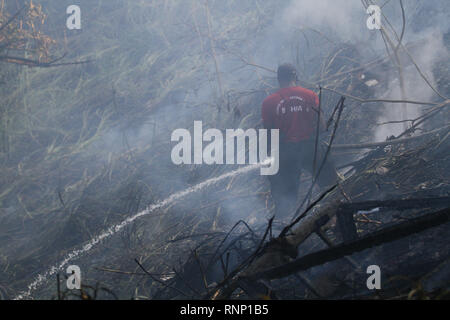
[316,176]
[316,142]
[158,280]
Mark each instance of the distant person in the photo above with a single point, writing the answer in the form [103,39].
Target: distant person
[293,110]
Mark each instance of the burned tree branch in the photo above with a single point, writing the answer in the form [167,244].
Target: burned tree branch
[361,100]
[36,63]
[387,143]
[340,107]
[275,261]
[427,116]
[386,235]
[401,204]
[158,280]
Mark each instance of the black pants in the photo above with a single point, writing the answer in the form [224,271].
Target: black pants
[294,158]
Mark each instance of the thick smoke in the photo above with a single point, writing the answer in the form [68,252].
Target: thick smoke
[426,56]
[345,21]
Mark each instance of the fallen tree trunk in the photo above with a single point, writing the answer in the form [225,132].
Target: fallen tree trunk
[277,258]
[283,249]
[388,234]
[397,204]
[279,251]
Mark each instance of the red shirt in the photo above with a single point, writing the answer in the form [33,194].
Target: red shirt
[292,110]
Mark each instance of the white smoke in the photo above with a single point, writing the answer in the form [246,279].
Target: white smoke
[431,51]
[345,21]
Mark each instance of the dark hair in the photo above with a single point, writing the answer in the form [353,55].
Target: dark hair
[286,73]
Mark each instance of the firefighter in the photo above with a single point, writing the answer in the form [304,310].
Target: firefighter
[294,110]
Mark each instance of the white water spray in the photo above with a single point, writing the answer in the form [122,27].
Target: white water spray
[41,278]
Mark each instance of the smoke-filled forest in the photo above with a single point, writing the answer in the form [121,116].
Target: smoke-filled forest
[120,176]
